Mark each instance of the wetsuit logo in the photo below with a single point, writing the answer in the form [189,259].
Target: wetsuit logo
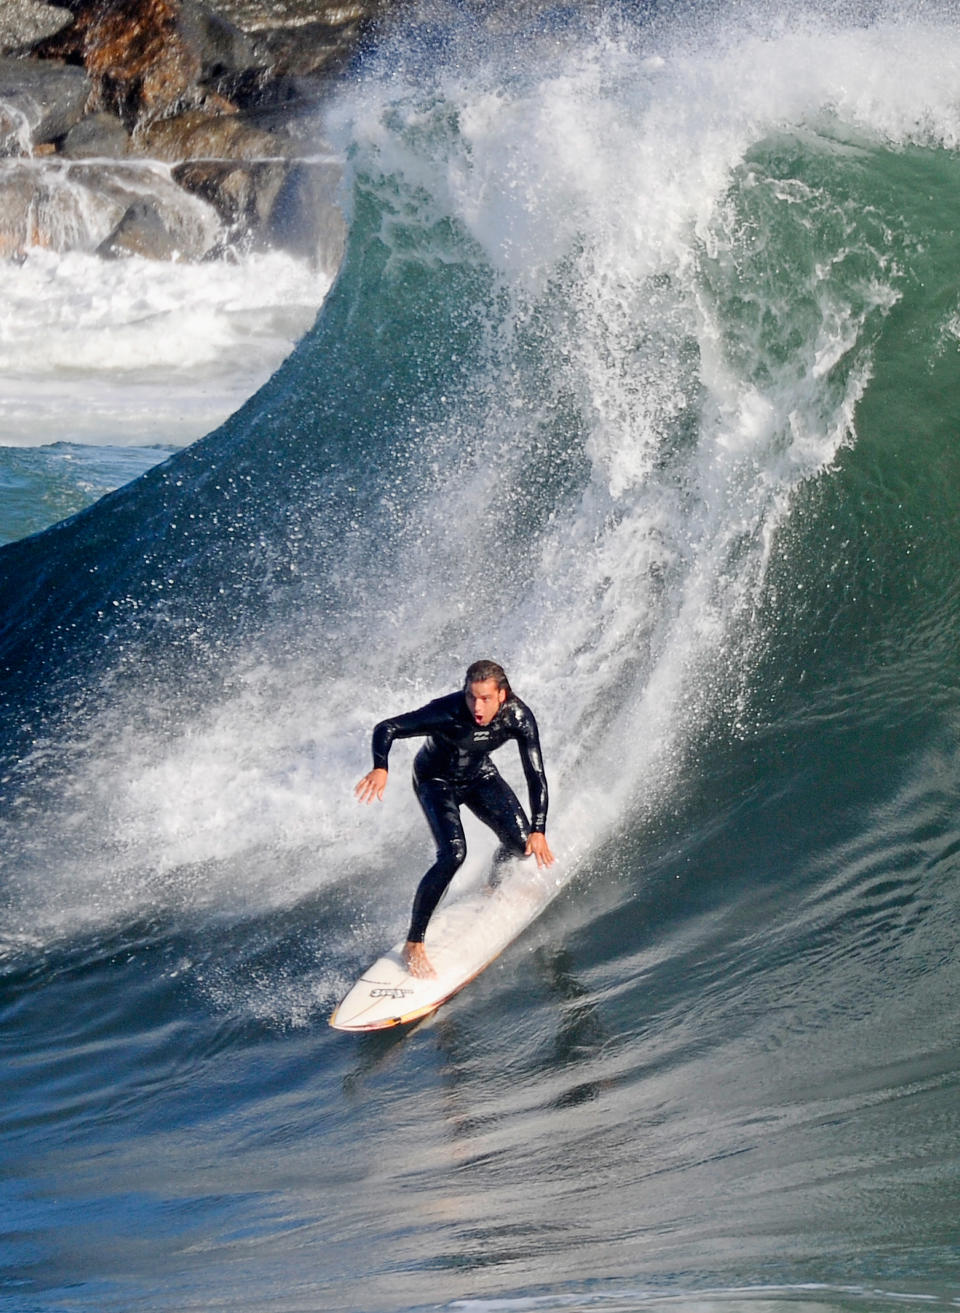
[390,991]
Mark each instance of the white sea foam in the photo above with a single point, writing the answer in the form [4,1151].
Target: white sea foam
[135,351]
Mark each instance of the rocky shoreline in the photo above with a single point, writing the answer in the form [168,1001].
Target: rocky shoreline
[171,128]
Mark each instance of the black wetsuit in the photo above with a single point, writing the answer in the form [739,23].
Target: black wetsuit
[453,769]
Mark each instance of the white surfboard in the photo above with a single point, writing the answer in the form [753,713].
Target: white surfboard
[463,937]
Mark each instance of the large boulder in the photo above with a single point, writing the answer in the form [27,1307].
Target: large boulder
[300,38]
[18,197]
[98,136]
[55,207]
[242,194]
[200,136]
[273,204]
[157,219]
[223,49]
[140,61]
[38,103]
[142,231]
[308,50]
[24,22]
[306,218]
[116,209]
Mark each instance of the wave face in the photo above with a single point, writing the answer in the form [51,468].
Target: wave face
[639,374]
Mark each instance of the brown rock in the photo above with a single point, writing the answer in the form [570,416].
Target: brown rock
[200,136]
[138,60]
[242,194]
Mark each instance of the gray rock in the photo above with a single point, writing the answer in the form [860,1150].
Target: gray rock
[223,48]
[273,204]
[298,45]
[88,206]
[262,15]
[306,219]
[18,194]
[98,136]
[306,51]
[242,194]
[24,22]
[38,103]
[52,204]
[141,231]
[151,229]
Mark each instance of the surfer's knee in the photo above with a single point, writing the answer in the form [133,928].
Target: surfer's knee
[507,852]
[452,855]
[515,845]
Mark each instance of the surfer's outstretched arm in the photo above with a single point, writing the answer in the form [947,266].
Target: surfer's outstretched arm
[412,723]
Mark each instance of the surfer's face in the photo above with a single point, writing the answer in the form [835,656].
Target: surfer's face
[484,700]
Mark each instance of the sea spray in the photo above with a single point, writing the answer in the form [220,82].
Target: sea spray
[596,324]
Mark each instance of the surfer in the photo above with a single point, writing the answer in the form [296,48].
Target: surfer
[453,769]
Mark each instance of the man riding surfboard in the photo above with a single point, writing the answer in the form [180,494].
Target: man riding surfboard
[453,769]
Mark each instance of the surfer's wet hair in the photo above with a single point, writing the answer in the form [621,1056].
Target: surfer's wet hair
[481,671]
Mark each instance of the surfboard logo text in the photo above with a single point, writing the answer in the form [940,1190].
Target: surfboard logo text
[390,991]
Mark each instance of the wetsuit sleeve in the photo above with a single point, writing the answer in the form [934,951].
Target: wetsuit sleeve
[407,726]
[531,758]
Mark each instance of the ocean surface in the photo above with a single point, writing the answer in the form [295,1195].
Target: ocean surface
[641,374]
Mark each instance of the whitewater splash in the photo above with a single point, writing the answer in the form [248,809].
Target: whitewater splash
[593,342]
[135,351]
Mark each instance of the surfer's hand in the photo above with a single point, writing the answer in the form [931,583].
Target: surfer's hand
[372,785]
[538,847]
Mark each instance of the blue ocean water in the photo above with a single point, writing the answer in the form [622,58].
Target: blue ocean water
[640,374]
[41,485]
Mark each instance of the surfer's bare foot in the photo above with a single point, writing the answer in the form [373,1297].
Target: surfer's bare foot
[416,960]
